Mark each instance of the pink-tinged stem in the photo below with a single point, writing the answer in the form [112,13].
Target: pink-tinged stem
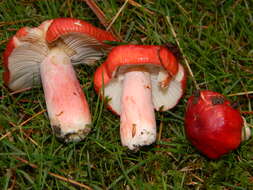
[67,107]
[138,124]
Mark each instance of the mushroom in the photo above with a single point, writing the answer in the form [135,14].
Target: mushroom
[47,53]
[212,125]
[138,79]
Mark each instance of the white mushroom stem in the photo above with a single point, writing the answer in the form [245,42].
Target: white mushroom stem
[137,117]
[246,131]
[67,107]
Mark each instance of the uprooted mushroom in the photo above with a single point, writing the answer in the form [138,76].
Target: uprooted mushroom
[213,125]
[138,79]
[47,53]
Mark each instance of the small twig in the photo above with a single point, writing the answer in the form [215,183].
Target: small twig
[29,101]
[192,183]
[33,141]
[241,93]
[117,15]
[16,92]
[13,183]
[54,174]
[69,3]
[190,168]
[4,23]
[159,136]
[27,136]
[101,16]
[3,41]
[135,4]
[6,135]
[11,173]
[98,12]
[181,50]
[18,126]
[29,119]
[198,178]
[246,112]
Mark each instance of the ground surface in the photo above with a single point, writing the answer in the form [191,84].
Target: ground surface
[216,37]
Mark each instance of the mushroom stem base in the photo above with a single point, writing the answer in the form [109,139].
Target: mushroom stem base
[138,124]
[67,107]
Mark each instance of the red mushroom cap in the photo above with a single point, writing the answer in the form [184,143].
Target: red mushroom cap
[64,26]
[139,55]
[158,59]
[212,125]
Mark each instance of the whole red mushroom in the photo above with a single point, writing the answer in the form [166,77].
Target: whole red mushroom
[47,54]
[212,125]
[138,79]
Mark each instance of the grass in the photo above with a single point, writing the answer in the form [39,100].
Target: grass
[216,37]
